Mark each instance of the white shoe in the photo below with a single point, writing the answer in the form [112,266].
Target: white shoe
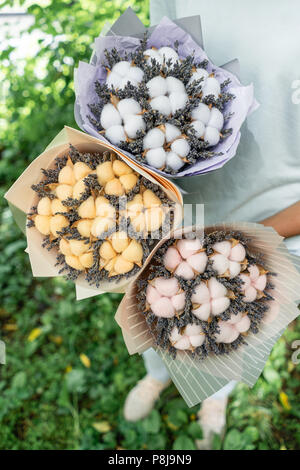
[141,399]
[212,420]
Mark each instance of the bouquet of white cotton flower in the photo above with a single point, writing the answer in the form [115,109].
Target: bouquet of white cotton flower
[158,98]
[212,302]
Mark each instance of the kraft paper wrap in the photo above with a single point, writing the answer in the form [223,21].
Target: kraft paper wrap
[21,198]
[195,379]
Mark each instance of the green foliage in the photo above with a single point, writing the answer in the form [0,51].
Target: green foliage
[49,399]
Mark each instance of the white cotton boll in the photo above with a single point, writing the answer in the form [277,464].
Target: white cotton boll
[127,79]
[211,135]
[202,312]
[181,147]
[110,116]
[113,79]
[157,86]
[201,113]
[220,263]
[153,139]
[174,85]
[216,119]
[156,157]
[162,105]
[122,68]
[133,124]
[136,73]
[115,134]
[173,161]
[219,306]
[199,74]
[171,132]
[211,87]
[153,54]
[199,128]
[178,101]
[128,106]
[202,73]
[168,53]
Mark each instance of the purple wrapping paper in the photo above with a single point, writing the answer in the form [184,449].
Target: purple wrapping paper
[165,34]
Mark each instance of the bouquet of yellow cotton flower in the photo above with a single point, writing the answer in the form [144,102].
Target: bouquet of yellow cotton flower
[212,301]
[92,215]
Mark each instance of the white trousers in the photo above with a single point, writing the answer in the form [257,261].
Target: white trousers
[156,369]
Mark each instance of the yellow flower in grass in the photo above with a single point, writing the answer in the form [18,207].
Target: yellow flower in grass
[34,334]
[85,360]
[285,401]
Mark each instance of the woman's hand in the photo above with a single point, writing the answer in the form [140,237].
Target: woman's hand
[286,222]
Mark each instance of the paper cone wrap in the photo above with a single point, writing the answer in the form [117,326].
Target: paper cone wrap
[198,379]
[21,198]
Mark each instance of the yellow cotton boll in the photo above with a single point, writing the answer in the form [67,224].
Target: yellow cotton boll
[73,262]
[44,206]
[105,173]
[128,181]
[139,222]
[87,209]
[78,247]
[42,223]
[57,223]
[64,191]
[100,225]
[120,168]
[150,199]
[135,206]
[114,188]
[64,247]
[66,176]
[87,259]
[84,227]
[106,251]
[81,170]
[110,265]
[57,206]
[122,266]
[153,219]
[104,208]
[134,252]
[120,241]
[79,189]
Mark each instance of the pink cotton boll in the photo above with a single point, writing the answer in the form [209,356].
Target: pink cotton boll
[272,313]
[188,247]
[243,325]
[178,301]
[220,263]
[185,271]
[223,247]
[197,340]
[216,289]
[175,335]
[219,305]
[167,287]
[235,318]
[183,343]
[172,258]
[191,329]
[254,272]
[234,269]
[201,294]
[198,262]
[163,308]
[238,253]
[152,294]
[250,294]
[246,281]
[261,282]
[227,334]
[202,312]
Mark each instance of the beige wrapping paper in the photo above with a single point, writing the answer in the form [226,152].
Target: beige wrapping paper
[195,379]
[21,198]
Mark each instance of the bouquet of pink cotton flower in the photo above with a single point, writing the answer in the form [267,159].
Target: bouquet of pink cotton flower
[212,302]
